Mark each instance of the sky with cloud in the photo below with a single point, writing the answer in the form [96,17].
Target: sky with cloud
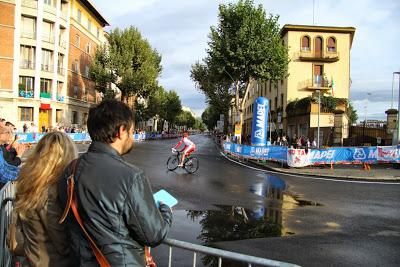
[179,30]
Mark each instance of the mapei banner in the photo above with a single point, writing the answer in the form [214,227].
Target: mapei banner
[272,153]
[344,155]
[260,122]
[302,158]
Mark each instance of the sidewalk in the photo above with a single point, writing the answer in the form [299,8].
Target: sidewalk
[381,172]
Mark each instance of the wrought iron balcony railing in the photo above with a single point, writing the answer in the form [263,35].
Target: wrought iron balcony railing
[48,68]
[26,93]
[27,64]
[324,56]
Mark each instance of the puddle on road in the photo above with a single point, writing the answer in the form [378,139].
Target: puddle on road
[262,220]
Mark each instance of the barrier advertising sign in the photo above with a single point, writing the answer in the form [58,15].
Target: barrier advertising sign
[260,122]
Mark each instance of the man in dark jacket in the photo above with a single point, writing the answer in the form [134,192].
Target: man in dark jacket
[114,198]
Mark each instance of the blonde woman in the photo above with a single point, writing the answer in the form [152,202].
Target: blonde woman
[46,243]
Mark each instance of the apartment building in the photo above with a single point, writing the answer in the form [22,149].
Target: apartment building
[37,38]
[319,64]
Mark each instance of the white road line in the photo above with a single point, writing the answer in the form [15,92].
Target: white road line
[309,177]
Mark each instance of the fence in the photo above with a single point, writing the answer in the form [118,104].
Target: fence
[85,137]
[303,157]
[374,136]
[7,194]
[6,197]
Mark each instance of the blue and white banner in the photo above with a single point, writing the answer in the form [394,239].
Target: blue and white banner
[272,153]
[85,137]
[302,157]
[260,122]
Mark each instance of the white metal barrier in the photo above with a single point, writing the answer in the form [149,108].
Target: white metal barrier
[6,198]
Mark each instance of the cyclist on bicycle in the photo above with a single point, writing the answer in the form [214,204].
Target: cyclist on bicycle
[189,147]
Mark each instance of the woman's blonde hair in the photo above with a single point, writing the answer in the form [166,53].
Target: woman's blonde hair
[43,168]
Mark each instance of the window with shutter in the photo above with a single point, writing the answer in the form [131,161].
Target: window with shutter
[305,43]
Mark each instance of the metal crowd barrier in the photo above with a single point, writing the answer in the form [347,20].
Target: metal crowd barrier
[219,253]
[6,198]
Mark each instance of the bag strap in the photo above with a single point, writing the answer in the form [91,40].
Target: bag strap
[149,259]
[70,191]
[72,204]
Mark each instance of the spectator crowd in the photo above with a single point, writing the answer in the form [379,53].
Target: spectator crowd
[91,210]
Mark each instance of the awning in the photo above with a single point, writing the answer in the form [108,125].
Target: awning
[44,106]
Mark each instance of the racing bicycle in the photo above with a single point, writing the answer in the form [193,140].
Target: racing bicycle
[191,164]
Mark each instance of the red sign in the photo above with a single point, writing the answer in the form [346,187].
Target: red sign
[44,106]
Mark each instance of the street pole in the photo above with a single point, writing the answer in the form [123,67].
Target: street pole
[365,117]
[319,111]
[391,105]
[270,124]
[398,113]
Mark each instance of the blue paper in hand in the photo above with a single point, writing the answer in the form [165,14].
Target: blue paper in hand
[165,197]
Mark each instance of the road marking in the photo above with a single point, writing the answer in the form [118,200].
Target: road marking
[309,177]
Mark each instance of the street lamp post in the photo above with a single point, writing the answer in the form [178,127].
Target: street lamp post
[396,139]
[319,111]
[365,116]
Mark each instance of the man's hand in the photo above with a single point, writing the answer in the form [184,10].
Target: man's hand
[20,149]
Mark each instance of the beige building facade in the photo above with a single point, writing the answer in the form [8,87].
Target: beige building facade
[319,64]
[34,60]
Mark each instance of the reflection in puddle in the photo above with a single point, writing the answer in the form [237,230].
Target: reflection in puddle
[261,219]
[237,223]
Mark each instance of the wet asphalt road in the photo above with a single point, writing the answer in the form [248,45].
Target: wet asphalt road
[309,222]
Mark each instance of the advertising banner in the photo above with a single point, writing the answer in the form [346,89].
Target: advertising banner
[301,157]
[297,158]
[260,122]
[238,129]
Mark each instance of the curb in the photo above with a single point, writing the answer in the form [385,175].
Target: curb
[326,176]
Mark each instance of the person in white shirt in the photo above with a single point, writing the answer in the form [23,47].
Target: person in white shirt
[189,147]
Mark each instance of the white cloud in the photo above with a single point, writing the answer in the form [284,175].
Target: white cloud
[178,29]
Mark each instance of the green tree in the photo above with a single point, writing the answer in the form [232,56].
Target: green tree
[129,62]
[210,116]
[352,113]
[185,118]
[246,46]
[171,107]
[101,73]
[217,89]
[199,125]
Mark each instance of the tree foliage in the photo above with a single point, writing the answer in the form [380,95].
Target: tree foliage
[128,62]
[352,113]
[244,47]
[216,88]
[171,107]
[210,117]
[185,118]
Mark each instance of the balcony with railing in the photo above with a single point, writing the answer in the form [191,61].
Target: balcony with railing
[60,98]
[318,83]
[44,94]
[60,70]
[48,38]
[28,34]
[27,64]
[25,92]
[322,56]
[49,8]
[47,68]
[30,3]
[62,43]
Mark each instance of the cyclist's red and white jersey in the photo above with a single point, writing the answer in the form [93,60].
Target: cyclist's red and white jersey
[188,143]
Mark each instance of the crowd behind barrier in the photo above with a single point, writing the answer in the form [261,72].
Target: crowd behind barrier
[85,137]
[308,157]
